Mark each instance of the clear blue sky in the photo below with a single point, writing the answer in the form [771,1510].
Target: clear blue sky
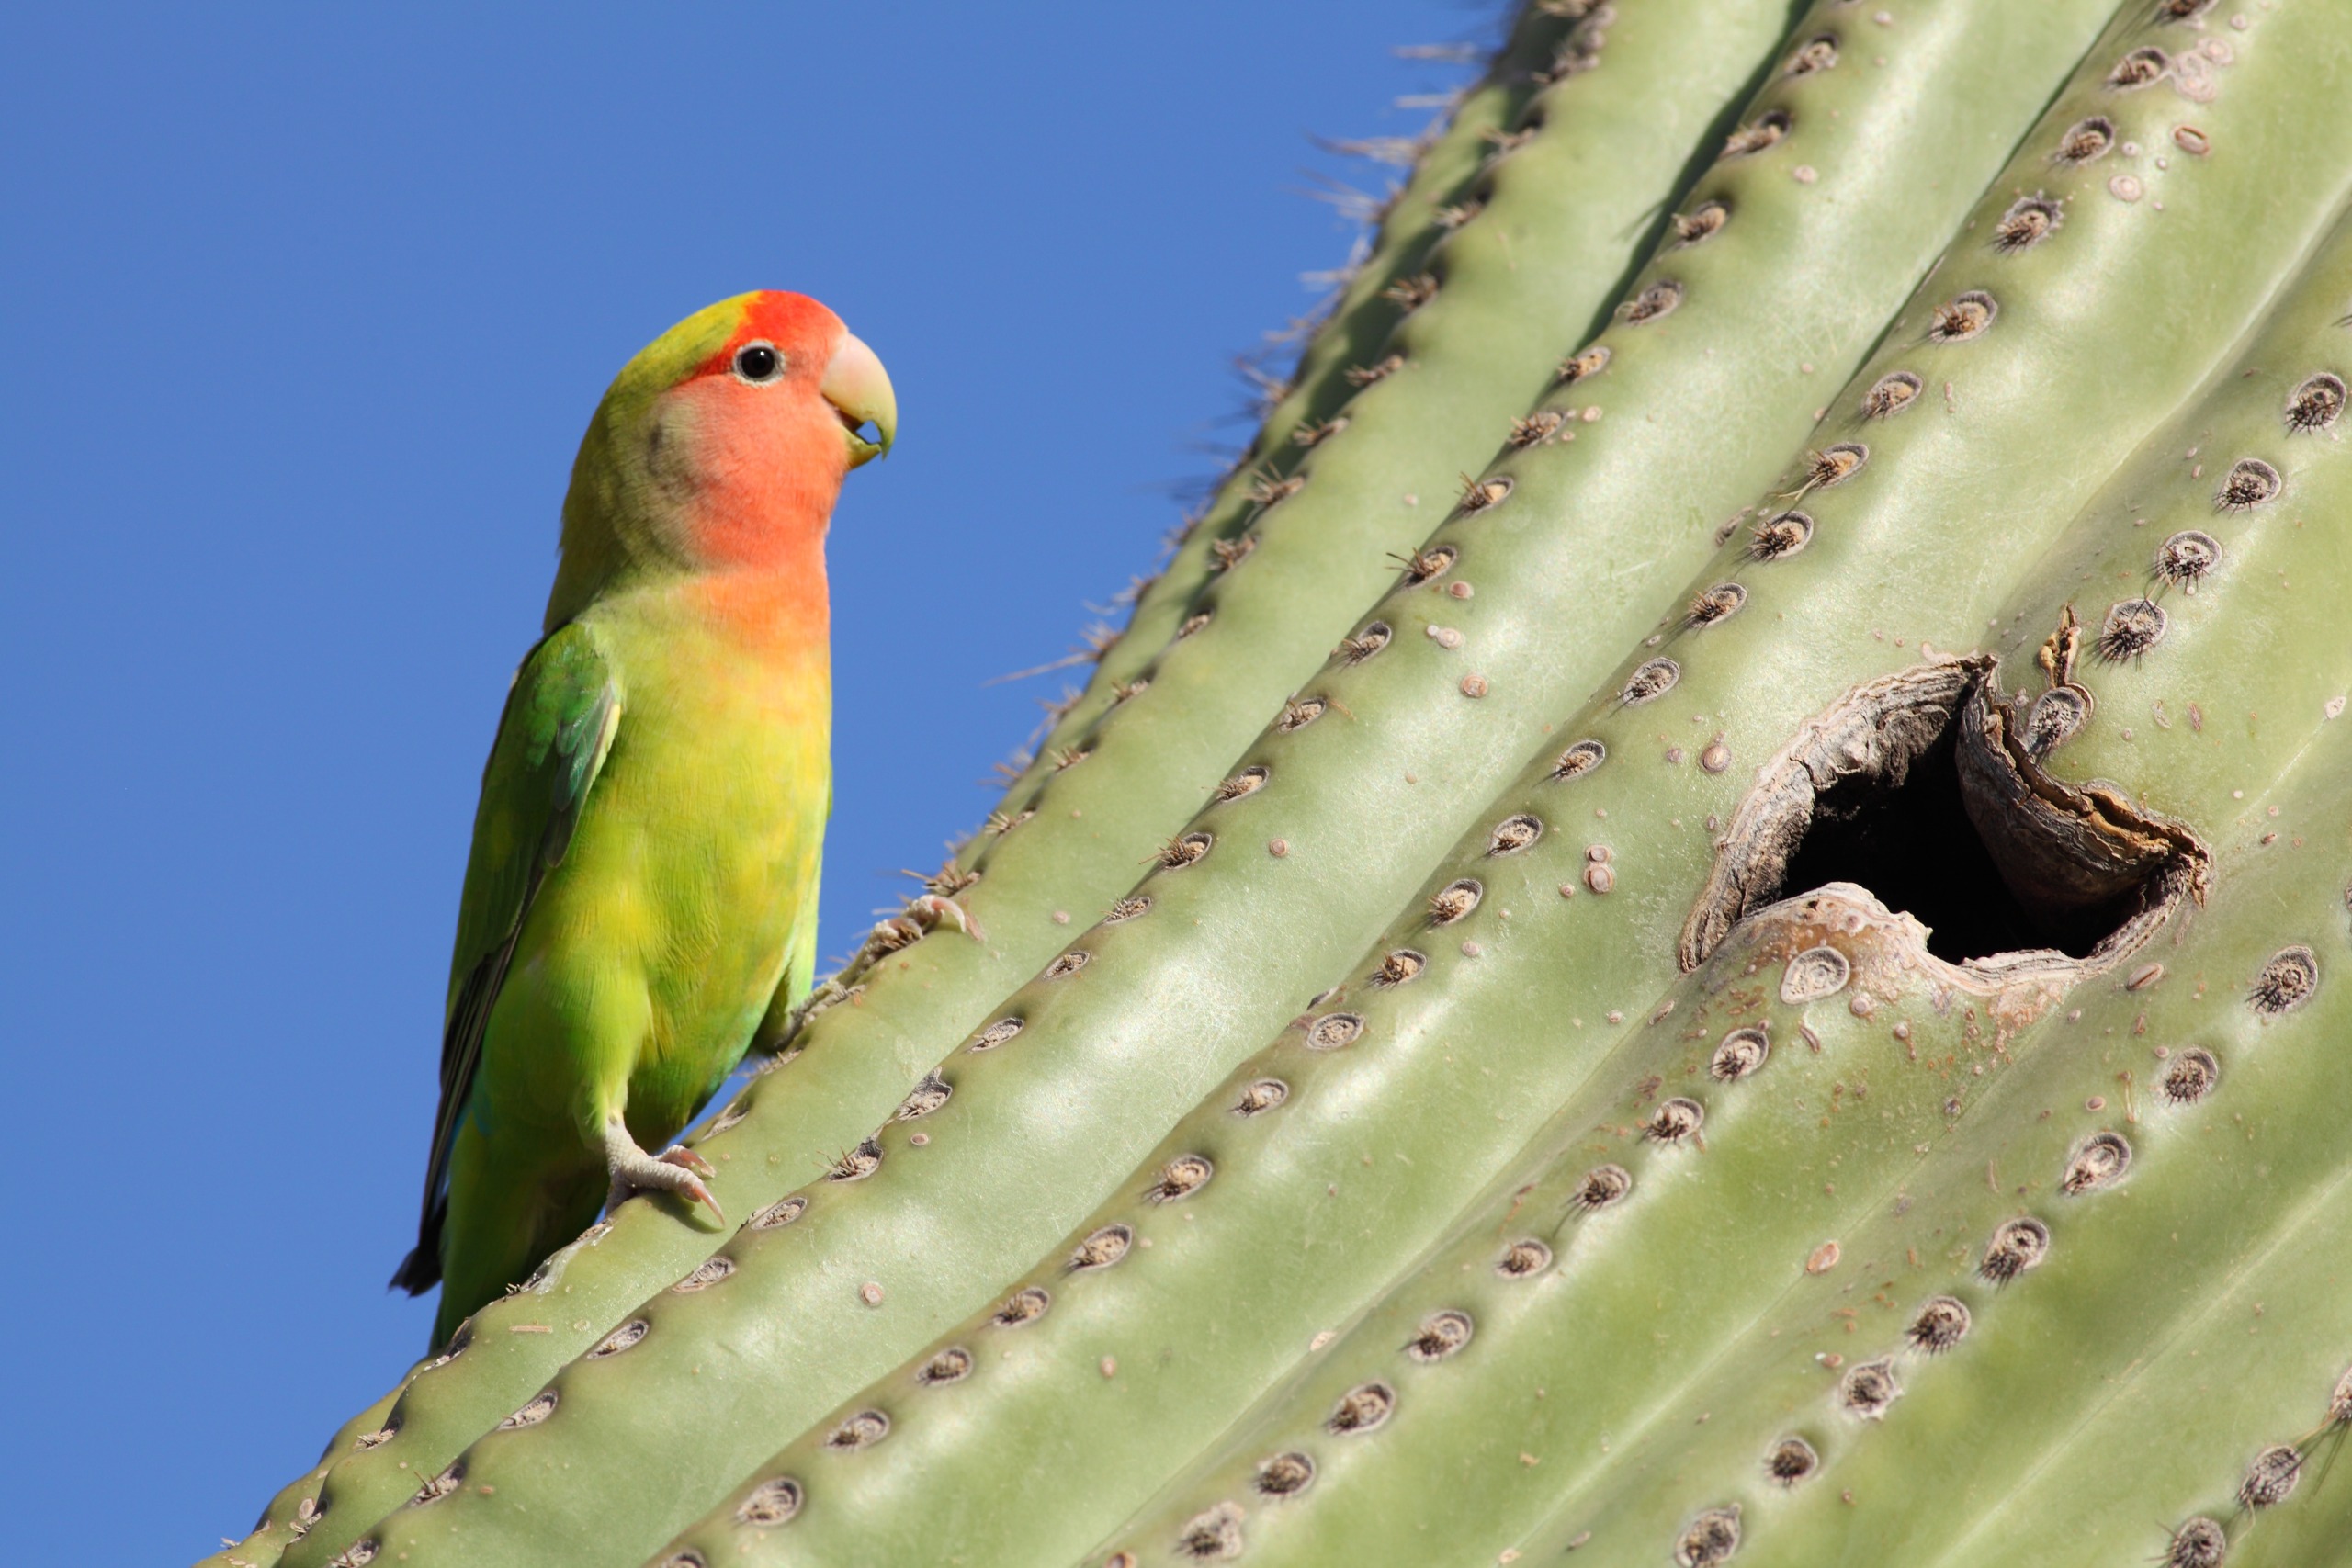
[304,309]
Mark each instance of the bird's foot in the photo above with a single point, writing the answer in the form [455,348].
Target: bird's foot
[675,1169]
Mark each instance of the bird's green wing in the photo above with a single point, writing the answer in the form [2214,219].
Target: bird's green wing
[558,724]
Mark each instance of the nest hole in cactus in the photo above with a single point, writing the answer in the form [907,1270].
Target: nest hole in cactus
[1908,839]
[1919,788]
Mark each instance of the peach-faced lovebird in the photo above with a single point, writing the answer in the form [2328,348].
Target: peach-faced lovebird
[642,890]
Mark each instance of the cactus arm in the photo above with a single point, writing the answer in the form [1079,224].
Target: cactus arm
[1765,684]
[1590,190]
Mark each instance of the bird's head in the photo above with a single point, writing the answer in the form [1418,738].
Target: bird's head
[723,445]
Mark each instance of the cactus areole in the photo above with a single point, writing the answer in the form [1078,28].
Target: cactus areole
[1714,897]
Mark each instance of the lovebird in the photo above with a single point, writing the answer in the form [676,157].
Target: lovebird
[641,895]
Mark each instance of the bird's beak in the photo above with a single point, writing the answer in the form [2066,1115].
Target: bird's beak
[859,389]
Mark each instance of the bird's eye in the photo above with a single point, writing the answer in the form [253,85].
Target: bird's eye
[758,363]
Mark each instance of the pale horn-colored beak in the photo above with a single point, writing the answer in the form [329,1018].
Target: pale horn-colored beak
[859,389]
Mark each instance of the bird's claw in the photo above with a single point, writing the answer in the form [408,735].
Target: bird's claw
[675,1169]
[937,911]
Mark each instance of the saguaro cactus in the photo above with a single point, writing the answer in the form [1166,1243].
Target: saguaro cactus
[1647,1179]
[1541,263]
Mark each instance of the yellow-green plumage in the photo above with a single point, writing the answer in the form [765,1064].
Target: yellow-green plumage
[642,887]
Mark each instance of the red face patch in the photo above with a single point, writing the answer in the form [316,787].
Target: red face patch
[802,330]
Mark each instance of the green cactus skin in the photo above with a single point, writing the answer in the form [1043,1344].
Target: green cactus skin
[972,1474]
[924,999]
[2128,1354]
[1523,270]
[1771,667]
[2121,1387]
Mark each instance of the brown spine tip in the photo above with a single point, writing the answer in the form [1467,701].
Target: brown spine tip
[2085,141]
[2190,1076]
[1890,395]
[1359,647]
[627,1336]
[772,1503]
[1720,603]
[1710,1538]
[2316,403]
[2133,627]
[2188,558]
[1740,1053]
[1790,1461]
[1702,222]
[1180,1177]
[1285,1474]
[2271,1478]
[1592,362]
[1766,132]
[1675,1121]
[1524,1260]
[2097,1162]
[1941,1323]
[1440,1335]
[2251,482]
[1362,1409]
[1962,317]
[1651,682]
[1249,780]
[1869,1388]
[1602,1186]
[1780,536]
[1024,1306]
[1212,1536]
[2139,68]
[2017,1246]
[1579,759]
[1334,1031]
[1513,834]
[1454,900]
[2286,982]
[1817,55]
[1101,1249]
[862,1430]
[1658,300]
[1261,1097]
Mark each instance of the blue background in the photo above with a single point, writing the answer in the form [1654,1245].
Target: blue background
[304,310]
